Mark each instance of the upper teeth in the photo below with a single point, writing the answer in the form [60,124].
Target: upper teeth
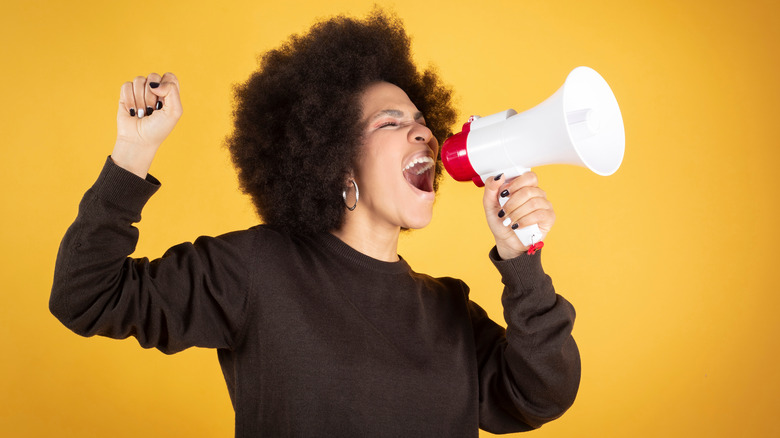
[427,161]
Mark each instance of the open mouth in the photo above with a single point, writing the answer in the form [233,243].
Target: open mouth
[419,173]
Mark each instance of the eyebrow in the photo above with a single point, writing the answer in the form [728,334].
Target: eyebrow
[396,113]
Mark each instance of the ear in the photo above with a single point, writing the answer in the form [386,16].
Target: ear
[349,177]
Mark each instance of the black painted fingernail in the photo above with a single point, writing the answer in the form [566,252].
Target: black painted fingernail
[505,193]
[498,177]
[132,112]
[514,226]
[149,110]
[154,84]
[158,105]
[501,213]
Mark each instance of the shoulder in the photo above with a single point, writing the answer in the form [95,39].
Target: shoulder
[445,284]
[265,245]
[238,247]
[251,238]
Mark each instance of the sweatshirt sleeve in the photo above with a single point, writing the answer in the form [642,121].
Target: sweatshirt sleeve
[193,295]
[529,373]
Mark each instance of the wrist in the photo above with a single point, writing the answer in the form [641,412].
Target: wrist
[133,157]
[510,252]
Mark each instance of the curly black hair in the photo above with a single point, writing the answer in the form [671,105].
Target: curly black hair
[297,122]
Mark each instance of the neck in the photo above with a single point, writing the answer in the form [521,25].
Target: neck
[376,242]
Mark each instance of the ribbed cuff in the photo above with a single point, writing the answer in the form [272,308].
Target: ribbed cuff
[124,189]
[523,271]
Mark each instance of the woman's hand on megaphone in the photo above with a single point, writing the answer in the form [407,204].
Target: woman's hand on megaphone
[527,205]
[148,110]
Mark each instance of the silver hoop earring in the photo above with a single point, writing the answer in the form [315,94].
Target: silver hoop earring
[357,196]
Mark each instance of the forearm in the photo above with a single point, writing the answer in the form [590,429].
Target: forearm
[194,295]
[534,371]
[92,258]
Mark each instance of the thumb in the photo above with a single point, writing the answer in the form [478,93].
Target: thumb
[168,93]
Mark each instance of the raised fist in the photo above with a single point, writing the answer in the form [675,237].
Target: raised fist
[149,108]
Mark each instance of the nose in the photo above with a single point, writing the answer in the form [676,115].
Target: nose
[420,133]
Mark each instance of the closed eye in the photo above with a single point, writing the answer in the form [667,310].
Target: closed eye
[396,118]
[396,123]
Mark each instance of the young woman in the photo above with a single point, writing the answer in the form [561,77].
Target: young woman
[320,327]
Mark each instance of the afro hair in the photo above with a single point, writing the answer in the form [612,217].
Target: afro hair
[297,129]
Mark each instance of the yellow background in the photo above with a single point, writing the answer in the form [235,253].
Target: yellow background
[670,262]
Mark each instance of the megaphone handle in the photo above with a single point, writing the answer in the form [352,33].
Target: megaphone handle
[529,235]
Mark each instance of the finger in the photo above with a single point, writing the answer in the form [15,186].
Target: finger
[528,179]
[492,187]
[150,100]
[513,201]
[518,190]
[513,185]
[127,99]
[528,207]
[544,218]
[139,84]
[521,196]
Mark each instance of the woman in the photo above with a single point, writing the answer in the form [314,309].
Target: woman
[320,328]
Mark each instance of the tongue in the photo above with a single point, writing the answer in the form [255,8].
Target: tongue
[421,181]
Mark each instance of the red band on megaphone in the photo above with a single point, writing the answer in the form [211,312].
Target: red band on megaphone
[455,157]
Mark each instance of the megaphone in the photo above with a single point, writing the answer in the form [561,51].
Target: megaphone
[580,124]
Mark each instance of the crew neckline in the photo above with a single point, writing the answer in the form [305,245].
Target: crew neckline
[339,247]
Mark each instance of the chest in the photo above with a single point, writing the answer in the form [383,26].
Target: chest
[362,354]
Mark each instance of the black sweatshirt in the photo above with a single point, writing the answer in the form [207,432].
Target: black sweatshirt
[315,338]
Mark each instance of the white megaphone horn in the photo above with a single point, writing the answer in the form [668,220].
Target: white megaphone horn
[580,124]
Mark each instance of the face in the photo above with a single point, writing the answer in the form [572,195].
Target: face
[396,167]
